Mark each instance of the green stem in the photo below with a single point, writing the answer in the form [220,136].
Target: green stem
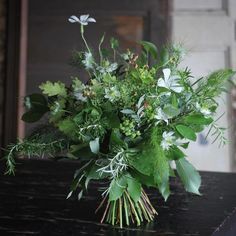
[133,208]
[120,208]
[82,35]
[113,213]
[126,211]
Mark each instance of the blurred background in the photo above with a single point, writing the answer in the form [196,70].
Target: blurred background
[36,42]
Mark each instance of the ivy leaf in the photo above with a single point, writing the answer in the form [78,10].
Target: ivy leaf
[188,175]
[117,187]
[134,188]
[53,89]
[94,146]
[186,132]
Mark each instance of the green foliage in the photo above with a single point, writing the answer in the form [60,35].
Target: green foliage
[150,48]
[151,161]
[37,106]
[44,142]
[117,188]
[186,132]
[127,123]
[188,175]
[53,89]
[215,83]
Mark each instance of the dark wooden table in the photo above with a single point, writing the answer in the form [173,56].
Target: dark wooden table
[34,203]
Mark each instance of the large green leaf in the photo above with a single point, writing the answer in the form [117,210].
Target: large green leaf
[188,175]
[186,132]
[117,187]
[151,161]
[174,153]
[198,119]
[33,115]
[37,107]
[134,188]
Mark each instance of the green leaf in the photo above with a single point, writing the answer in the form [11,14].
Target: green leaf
[33,116]
[164,188]
[53,89]
[198,119]
[186,132]
[134,188]
[144,179]
[37,105]
[113,119]
[117,187]
[174,101]
[116,139]
[174,153]
[150,48]
[171,111]
[151,161]
[94,146]
[68,127]
[114,43]
[35,100]
[188,175]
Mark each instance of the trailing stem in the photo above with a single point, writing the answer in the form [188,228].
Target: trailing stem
[125,210]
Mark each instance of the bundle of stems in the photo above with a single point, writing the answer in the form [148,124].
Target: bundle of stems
[125,210]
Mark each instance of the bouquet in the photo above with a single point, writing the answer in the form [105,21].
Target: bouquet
[128,125]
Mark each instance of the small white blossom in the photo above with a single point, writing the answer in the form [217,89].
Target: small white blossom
[107,69]
[161,115]
[204,110]
[112,93]
[170,82]
[88,60]
[83,19]
[79,96]
[168,140]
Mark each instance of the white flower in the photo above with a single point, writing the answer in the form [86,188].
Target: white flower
[79,96]
[88,60]
[83,19]
[160,115]
[107,69]
[168,140]
[112,93]
[170,82]
[204,110]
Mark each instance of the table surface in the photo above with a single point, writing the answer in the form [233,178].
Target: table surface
[34,203]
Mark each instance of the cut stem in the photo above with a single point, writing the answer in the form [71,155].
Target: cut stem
[134,211]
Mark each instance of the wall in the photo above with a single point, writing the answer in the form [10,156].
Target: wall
[2,45]
[207,29]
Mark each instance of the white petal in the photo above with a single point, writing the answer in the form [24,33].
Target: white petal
[166,73]
[74,19]
[177,89]
[162,83]
[90,19]
[83,23]
[84,18]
